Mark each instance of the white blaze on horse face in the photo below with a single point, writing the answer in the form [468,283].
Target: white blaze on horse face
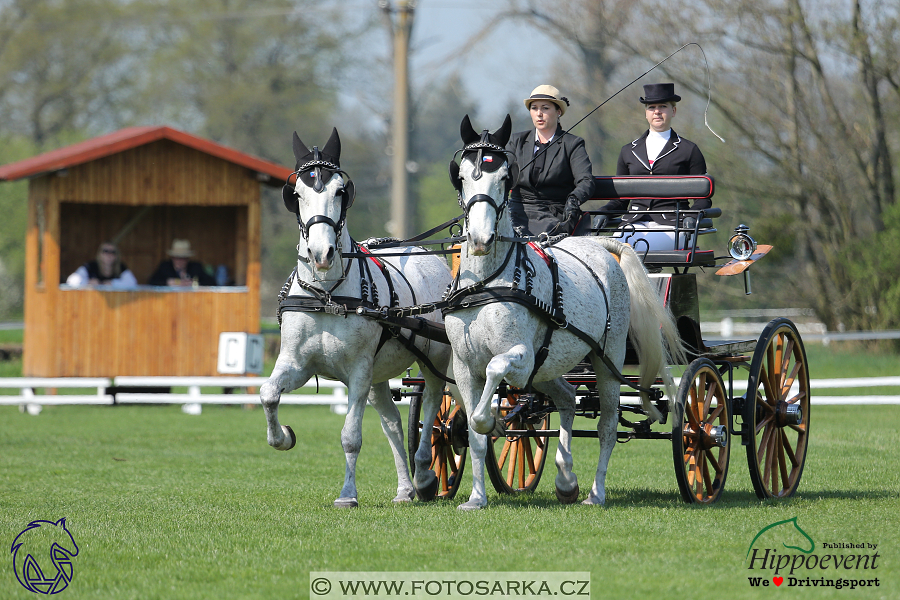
[482,217]
[322,241]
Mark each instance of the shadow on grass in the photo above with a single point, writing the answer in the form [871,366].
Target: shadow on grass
[652,498]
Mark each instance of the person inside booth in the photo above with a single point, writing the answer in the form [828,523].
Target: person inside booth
[107,268]
[179,270]
[659,151]
[557,180]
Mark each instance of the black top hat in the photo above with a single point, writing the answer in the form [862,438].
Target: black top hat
[657,93]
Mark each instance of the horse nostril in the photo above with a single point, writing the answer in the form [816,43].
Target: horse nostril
[330,253]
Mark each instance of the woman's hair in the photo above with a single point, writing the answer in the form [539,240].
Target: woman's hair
[116,265]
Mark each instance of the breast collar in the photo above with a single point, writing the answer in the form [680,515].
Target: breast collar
[321,300]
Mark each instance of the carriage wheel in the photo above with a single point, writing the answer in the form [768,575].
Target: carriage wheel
[701,443]
[515,463]
[776,411]
[449,439]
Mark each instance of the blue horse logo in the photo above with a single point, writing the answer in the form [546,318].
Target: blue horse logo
[38,540]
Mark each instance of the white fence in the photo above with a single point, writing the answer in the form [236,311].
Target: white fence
[336,395]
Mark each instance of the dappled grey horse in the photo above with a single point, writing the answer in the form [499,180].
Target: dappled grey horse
[321,334]
[510,302]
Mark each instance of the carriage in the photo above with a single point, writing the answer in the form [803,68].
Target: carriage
[771,419]
[596,291]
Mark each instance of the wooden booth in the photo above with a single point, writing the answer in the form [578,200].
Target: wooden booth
[141,188]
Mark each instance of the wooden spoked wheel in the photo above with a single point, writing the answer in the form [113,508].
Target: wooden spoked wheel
[515,462]
[776,411]
[701,443]
[449,440]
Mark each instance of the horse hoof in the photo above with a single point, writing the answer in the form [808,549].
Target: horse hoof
[567,497]
[470,506]
[289,432]
[346,503]
[592,500]
[428,492]
[404,496]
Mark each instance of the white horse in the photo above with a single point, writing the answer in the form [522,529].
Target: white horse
[322,335]
[493,339]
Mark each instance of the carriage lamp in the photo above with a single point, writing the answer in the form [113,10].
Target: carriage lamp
[741,246]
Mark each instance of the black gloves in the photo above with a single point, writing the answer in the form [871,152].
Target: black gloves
[573,210]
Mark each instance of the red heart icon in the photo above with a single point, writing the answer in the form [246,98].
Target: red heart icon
[778,580]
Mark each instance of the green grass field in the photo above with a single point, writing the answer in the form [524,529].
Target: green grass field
[166,505]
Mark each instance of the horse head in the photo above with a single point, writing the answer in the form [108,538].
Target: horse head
[320,194]
[483,177]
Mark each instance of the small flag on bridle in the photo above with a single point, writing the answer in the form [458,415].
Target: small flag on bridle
[487,159]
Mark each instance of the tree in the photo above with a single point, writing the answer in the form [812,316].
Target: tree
[809,101]
[62,67]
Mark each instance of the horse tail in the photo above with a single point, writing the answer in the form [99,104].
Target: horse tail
[653,332]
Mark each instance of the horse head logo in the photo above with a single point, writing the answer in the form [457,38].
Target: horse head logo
[38,542]
[787,531]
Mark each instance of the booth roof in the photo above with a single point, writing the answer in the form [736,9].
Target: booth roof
[132,137]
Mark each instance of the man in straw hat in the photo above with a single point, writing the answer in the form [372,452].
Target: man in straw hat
[555,176]
[179,270]
[659,151]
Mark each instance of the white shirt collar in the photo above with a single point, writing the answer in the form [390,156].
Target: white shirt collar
[537,139]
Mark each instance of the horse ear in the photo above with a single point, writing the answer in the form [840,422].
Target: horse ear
[333,145]
[454,176]
[300,149]
[467,132]
[290,198]
[501,136]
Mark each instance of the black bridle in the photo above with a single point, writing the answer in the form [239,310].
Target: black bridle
[292,198]
[479,148]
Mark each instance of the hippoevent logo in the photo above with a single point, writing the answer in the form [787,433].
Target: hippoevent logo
[784,554]
[42,556]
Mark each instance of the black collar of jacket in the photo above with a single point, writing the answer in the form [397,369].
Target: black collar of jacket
[641,144]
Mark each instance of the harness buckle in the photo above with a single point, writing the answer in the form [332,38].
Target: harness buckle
[335,309]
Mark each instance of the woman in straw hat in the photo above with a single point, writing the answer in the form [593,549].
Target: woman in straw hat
[555,177]
[180,270]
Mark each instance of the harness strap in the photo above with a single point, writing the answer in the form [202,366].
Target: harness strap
[323,301]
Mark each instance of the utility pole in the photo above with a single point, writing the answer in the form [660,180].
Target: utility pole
[400,21]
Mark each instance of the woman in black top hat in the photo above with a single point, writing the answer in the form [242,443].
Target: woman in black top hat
[551,189]
[659,151]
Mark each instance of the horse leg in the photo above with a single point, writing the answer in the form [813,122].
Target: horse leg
[285,378]
[484,419]
[469,386]
[392,425]
[425,479]
[563,395]
[608,392]
[351,436]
